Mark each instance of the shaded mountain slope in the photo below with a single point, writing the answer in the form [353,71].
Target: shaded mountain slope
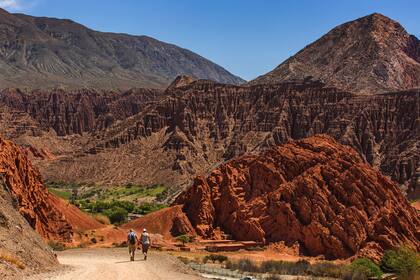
[39,52]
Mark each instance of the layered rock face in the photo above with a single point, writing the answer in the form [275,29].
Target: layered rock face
[217,122]
[170,137]
[78,111]
[370,54]
[314,191]
[42,210]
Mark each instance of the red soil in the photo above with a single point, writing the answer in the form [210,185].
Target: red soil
[76,218]
[167,222]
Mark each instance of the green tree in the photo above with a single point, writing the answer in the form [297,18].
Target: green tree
[402,261]
[184,239]
[116,215]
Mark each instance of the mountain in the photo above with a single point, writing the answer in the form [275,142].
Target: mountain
[313,192]
[370,54]
[40,52]
[169,137]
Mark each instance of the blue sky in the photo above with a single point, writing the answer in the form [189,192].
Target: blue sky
[247,37]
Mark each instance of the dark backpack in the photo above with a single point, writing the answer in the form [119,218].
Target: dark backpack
[132,238]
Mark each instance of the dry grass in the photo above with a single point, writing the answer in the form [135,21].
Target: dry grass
[7,257]
[102,219]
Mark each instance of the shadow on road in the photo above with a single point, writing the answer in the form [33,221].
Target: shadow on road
[131,261]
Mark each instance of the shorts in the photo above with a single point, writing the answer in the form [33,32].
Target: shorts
[131,248]
[145,247]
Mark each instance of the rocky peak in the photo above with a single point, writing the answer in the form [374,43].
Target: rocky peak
[371,54]
[181,81]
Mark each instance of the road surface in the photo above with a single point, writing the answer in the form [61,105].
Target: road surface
[110,264]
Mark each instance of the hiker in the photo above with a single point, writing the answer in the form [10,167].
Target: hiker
[132,240]
[145,243]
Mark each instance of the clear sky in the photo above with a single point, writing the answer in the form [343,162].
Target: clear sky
[247,37]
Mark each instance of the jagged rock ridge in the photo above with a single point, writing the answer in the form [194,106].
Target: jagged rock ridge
[169,138]
[314,191]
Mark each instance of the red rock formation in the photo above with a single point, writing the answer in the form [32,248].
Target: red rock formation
[314,191]
[168,222]
[77,111]
[45,213]
[199,125]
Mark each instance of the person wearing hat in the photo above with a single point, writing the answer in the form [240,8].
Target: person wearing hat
[145,243]
[132,240]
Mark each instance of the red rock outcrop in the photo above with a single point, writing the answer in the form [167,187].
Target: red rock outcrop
[44,212]
[314,191]
[168,222]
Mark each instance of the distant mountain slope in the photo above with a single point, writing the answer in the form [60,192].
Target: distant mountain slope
[370,54]
[47,52]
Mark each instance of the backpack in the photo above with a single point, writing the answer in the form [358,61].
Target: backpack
[132,238]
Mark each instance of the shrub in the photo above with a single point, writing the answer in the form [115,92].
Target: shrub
[325,269]
[184,260]
[56,246]
[184,239]
[7,257]
[116,215]
[215,258]
[282,267]
[102,219]
[367,267]
[354,275]
[147,208]
[247,265]
[402,261]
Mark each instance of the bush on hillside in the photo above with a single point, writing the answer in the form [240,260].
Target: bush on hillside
[327,269]
[403,261]
[56,246]
[116,215]
[247,265]
[284,267]
[147,208]
[367,267]
[215,258]
[184,239]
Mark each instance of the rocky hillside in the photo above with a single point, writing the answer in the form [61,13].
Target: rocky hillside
[152,137]
[21,249]
[51,217]
[314,192]
[370,54]
[39,52]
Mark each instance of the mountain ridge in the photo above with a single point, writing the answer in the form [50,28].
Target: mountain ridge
[42,52]
[370,54]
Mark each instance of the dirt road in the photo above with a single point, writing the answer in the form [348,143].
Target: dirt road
[110,264]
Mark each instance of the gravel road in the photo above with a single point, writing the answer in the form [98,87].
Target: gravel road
[110,264]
